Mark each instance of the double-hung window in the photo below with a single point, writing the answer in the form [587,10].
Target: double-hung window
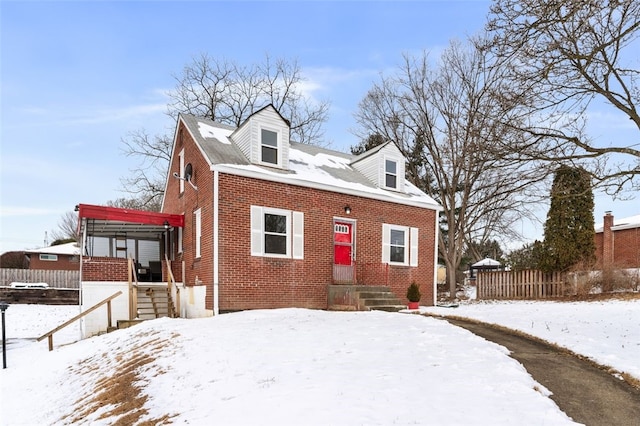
[399,245]
[277,233]
[269,146]
[391,174]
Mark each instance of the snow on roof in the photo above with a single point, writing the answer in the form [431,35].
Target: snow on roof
[487,262]
[309,166]
[68,248]
[622,223]
[208,131]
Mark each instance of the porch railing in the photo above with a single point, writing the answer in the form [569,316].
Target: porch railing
[361,273]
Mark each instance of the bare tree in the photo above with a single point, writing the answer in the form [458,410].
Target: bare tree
[67,228]
[562,56]
[228,93]
[146,183]
[443,118]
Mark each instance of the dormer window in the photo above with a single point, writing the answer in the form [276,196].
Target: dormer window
[269,146]
[391,174]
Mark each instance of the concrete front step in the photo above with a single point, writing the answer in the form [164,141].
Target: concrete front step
[390,308]
[379,298]
[381,301]
[343,297]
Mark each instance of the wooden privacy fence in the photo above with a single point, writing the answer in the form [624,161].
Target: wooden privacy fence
[529,284]
[55,279]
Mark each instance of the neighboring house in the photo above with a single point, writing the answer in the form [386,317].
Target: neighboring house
[618,242]
[270,223]
[62,257]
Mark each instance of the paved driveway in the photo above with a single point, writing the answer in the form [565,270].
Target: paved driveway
[583,391]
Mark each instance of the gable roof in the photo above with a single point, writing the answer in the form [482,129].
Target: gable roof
[486,262]
[370,152]
[269,106]
[68,248]
[309,165]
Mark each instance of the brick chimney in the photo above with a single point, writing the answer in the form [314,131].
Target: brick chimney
[607,240]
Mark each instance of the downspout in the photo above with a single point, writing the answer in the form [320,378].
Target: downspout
[83,244]
[216,243]
[435,259]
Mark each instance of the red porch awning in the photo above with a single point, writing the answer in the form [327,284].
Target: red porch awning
[110,221]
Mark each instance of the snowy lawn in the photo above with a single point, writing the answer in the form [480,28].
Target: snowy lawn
[286,366]
[608,332]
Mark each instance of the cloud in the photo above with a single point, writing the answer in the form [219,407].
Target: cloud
[79,115]
[111,114]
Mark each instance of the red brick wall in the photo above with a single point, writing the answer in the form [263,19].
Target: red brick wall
[626,248]
[104,269]
[250,282]
[196,270]
[617,248]
[64,263]
[263,282]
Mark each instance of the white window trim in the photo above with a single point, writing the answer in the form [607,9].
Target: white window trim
[181,161]
[294,232]
[278,146]
[49,257]
[179,236]
[384,173]
[410,244]
[198,227]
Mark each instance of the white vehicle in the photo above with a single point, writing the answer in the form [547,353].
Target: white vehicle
[29,285]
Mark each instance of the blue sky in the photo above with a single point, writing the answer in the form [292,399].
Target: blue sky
[77,77]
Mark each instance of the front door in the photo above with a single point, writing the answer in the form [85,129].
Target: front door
[343,252]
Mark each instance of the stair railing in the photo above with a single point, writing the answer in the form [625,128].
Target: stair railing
[171,287]
[133,289]
[80,315]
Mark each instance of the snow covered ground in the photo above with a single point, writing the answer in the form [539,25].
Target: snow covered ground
[608,332]
[297,366]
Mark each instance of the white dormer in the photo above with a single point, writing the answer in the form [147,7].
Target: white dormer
[264,138]
[384,166]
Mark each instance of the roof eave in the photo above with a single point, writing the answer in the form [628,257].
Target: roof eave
[318,185]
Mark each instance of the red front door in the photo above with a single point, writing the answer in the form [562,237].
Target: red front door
[343,251]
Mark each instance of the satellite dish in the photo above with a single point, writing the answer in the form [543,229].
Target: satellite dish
[188,172]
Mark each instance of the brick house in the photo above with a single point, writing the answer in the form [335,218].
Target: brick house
[62,257]
[270,223]
[252,220]
[618,242]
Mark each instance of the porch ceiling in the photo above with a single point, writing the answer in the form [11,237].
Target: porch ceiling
[110,228]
